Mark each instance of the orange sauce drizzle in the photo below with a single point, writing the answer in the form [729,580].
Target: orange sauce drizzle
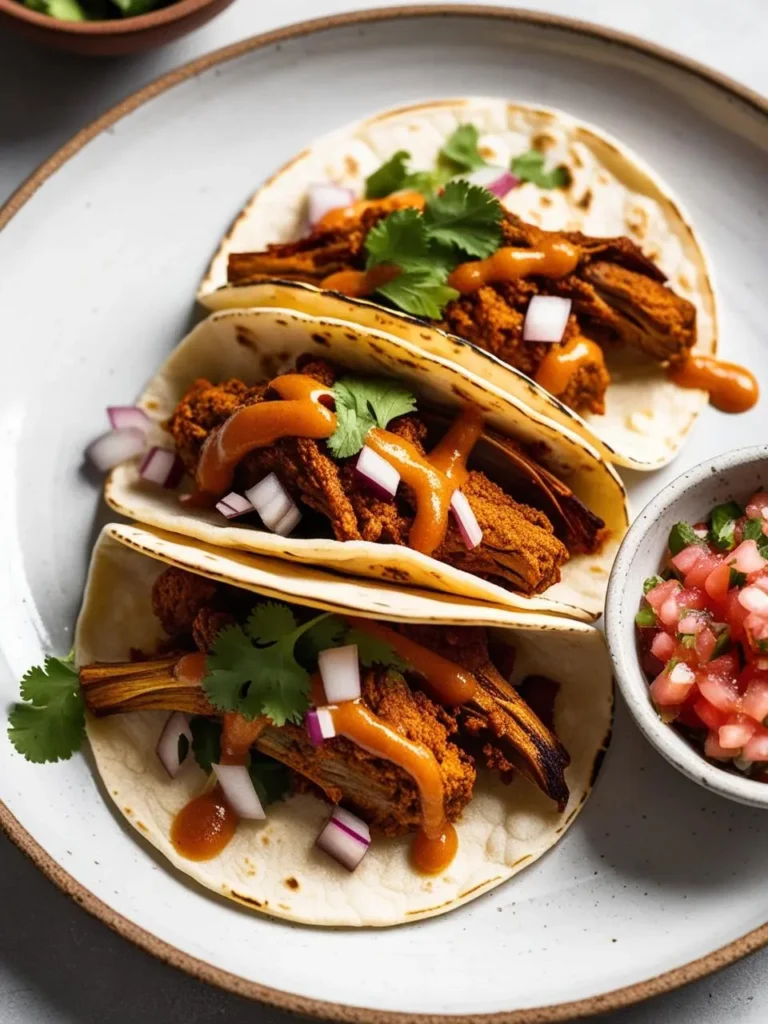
[300,414]
[343,216]
[238,735]
[731,388]
[561,363]
[553,258]
[449,683]
[436,843]
[191,668]
[359,283]
[204,826]
[450,454]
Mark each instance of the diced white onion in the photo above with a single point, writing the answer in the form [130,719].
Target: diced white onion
[289,522]
[340,672]
[345,837]
[320,725]
[469,528]
[681,673]
[238,788]
[121,416]
[163,467]
[324,197]
[754,600]
[234,504]
[168,745]
[497,180]
[271,500]
[546,318]
[111,449]
[377,473]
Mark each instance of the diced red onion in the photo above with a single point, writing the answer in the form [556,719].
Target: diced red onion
[163,467]
[121,416]
[682,674]
[340,672]
[546,318]
[111,449]
[234,504]
[497,180]
[324,197]
[754,600]
[345,837]
[377,473]
[466,520]
[167,749]
[747,558]
[320,725]
[271,500]
[289,521]
[733,737]
[239,790]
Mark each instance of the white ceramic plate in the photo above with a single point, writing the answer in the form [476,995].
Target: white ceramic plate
[101,255]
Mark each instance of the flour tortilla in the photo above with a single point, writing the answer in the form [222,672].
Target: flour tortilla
[257,344]
[273,866]
[613,193]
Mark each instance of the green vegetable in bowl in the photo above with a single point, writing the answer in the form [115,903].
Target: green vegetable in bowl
[93,10]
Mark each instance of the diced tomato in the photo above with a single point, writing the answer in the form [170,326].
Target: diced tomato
[755,700]
[697,576]
[706,641]
[685,560]
[669,689]
[726,664]
[746,557]
[686,714]
[760,579]
[692,598]
[756,628]
[758,506]
[754,599]
[713,749]
[669,613]
[736,732]
[659,594]
[756,749]
[663,646]
[692,623]
[718,582]
[711,716]
[735,614]
[720,690]
[651,665]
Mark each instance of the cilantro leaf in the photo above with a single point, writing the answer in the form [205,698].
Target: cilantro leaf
[461,149]
[230,668]
[206,740]
[132,8]
[362,403]
[51,724]
[280,685]
[400,238]
[390,177]
[646,617]
[681,536]
[428,182]
[372,650]
[736,579]
[723,643]
[688,640]
[328,632]
[651,582]
[466,216]
[530,167]
[420,292]
[270,778]
[722,528]
[64,10]
[270,621]
[753,530]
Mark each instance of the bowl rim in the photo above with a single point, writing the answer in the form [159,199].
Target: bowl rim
[628,673]
[622,996]
[164,16]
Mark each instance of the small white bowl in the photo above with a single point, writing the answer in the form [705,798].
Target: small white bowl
[733,476]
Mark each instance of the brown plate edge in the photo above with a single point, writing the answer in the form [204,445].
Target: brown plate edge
[80,894]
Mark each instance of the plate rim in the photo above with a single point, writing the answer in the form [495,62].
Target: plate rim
[23,839]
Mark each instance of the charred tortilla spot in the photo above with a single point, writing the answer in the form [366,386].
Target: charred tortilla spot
[245,337]
[321,339]
[291,882]
[482,885]
[351,165]
[248,900]
[586,200]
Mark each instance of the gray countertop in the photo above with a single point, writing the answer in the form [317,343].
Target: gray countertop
[57,964]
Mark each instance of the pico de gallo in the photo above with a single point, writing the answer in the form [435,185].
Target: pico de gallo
[703,635]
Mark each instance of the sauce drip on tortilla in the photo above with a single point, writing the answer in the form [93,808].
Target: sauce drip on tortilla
[433,478]
[359,283]
[343,216]
[238,735]
[191,669]
[560,365]
[731,388]
[551,258]
[304,412]
[204,826]
[435,844]
[448,682]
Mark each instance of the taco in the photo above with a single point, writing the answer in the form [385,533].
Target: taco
[531,248]
[322,766]
[319,442]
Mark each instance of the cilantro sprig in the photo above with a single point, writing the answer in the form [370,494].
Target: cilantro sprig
[50,723]
[530,167]
[263,667]
[270,778]
[459,154]
[363,403]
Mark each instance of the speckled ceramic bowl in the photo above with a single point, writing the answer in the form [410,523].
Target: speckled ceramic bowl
[733,476]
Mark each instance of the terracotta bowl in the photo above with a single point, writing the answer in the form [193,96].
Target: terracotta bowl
[105,38]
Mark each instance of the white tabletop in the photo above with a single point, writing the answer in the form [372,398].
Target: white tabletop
[57,964]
